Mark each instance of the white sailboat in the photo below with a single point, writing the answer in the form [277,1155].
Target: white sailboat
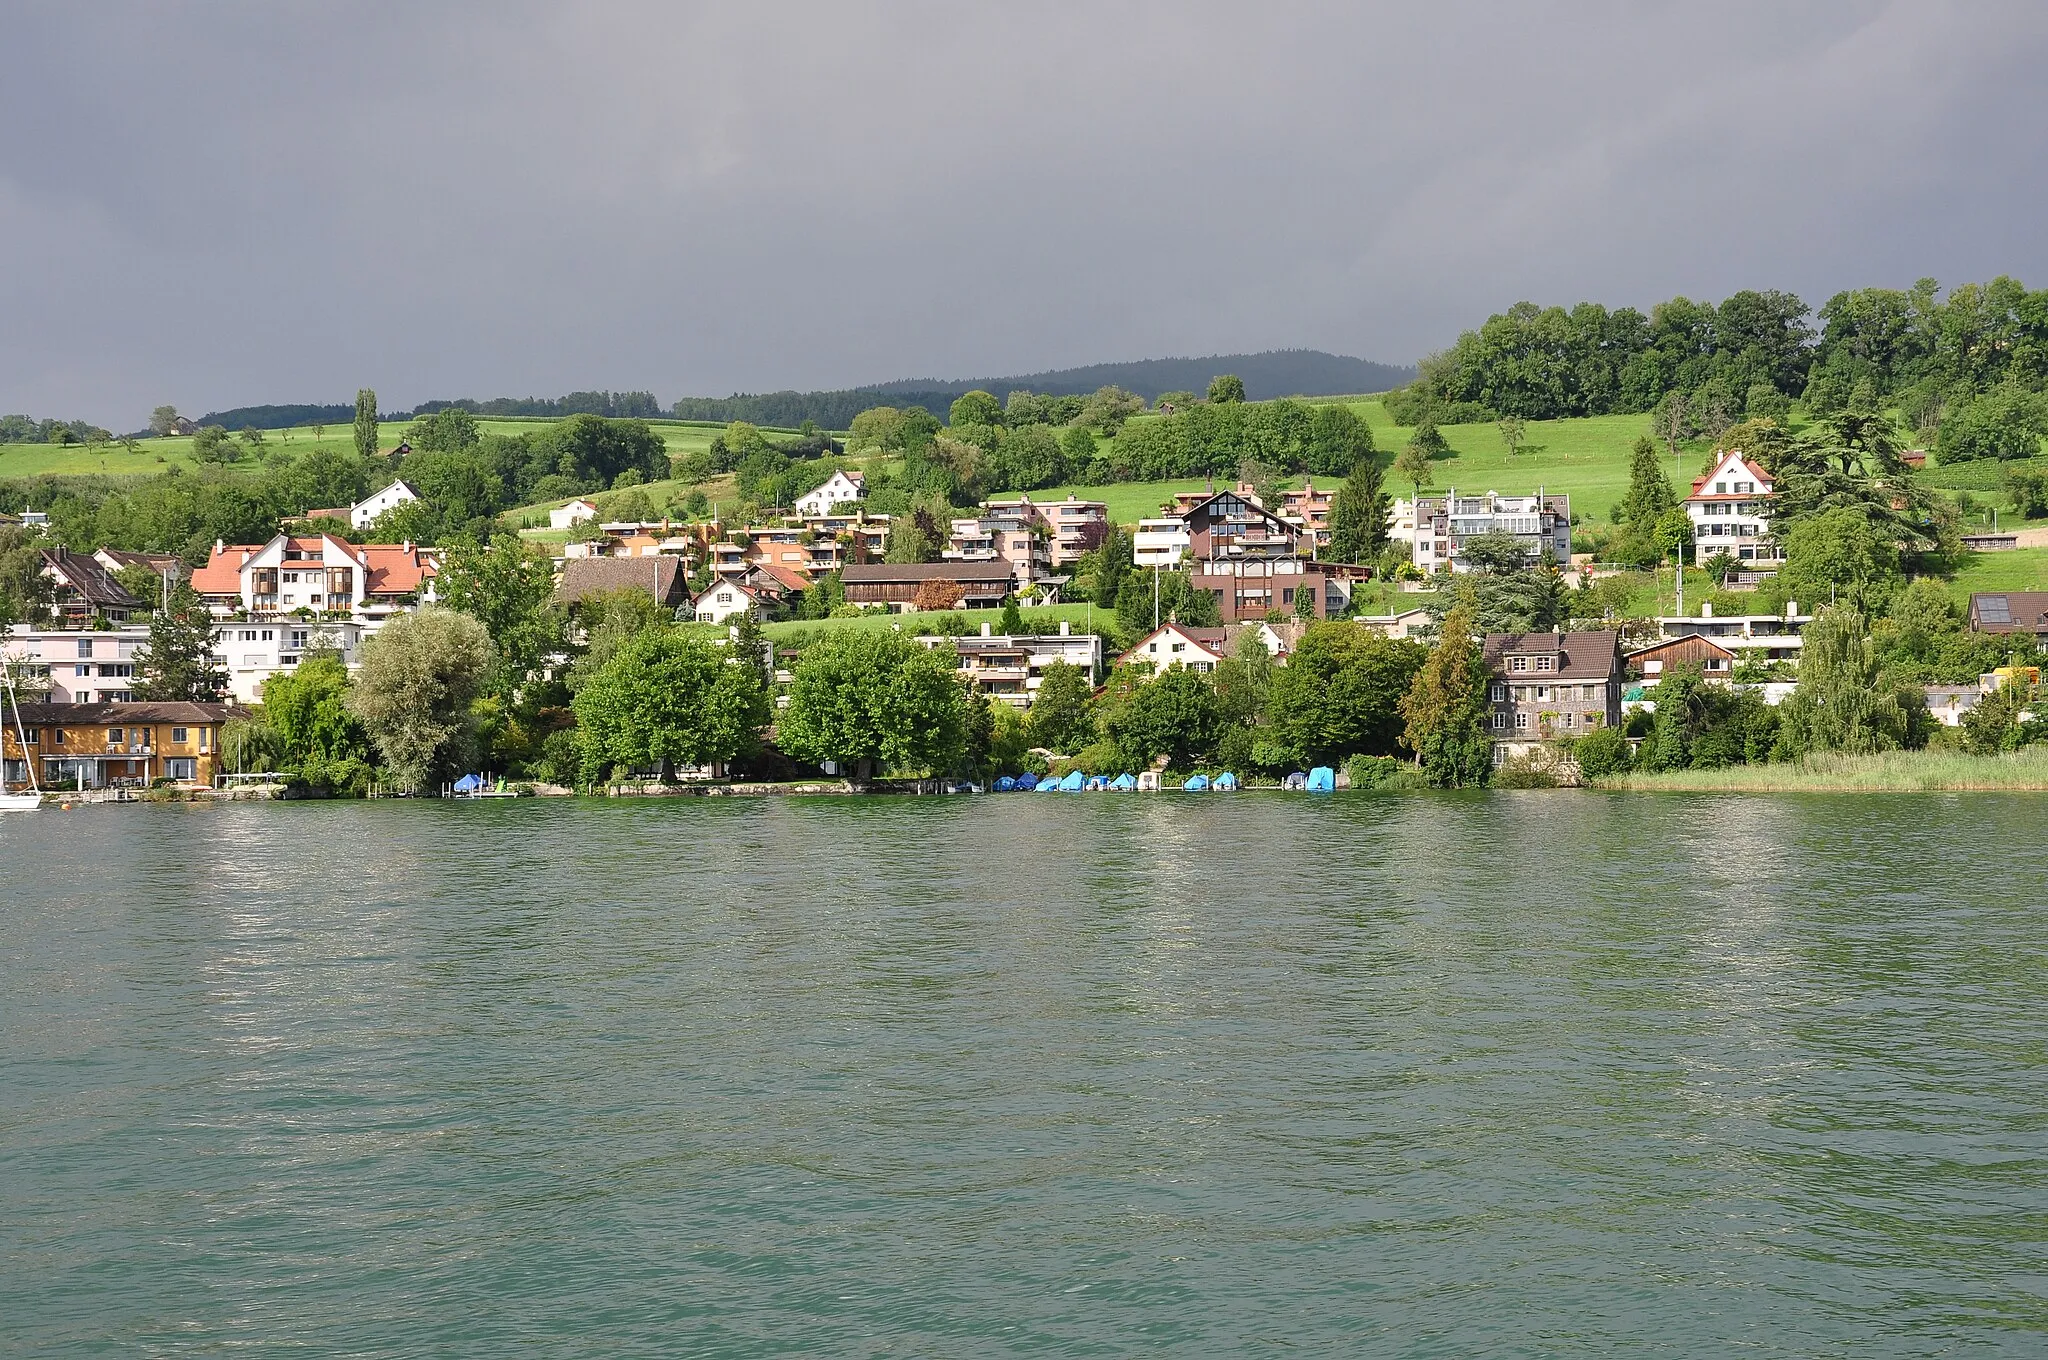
[17,802]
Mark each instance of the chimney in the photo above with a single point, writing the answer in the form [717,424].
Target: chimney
[984,630]
[1066,628]
[1706,609]
[218,546]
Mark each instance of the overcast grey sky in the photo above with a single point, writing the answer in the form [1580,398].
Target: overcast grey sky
[214,204]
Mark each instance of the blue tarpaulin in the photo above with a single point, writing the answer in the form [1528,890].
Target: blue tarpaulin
[469,783]
[1322,779]
[1198,784]
[1048,785]
[1005,784]
[1073,782]
[1124,783]
[1027,782]
[1226,781]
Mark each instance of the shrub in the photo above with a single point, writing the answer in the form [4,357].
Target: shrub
[1533,771]
[1382,772]
[1601,752]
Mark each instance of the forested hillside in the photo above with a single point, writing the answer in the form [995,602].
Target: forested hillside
[1275,373]
[1966,370]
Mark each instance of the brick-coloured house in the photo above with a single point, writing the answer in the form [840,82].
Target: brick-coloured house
[1227,525]
[1547,685]
[982,584]
[111,745]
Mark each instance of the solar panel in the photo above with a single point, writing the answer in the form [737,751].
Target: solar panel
[1993,609]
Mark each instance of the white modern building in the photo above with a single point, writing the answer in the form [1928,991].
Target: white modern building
[1011,668]
[1730,511]
[1542,524]
[1162,542]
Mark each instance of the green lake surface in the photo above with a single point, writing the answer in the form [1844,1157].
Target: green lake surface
[1500,1074]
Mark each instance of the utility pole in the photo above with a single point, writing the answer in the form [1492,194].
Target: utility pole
[1155,596]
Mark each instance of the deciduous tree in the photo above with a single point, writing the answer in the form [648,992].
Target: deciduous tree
[1340,693]
[418,677]
[1445,709]
[869,701]
[666,698]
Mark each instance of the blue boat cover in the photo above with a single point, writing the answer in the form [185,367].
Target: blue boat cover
[1295,782]
[1074,782]
[1322,779]
[1027,782]
[469,783]
[1005,784]
[1198,784]
[1096,783]
[1226,781]
[1124,783]
[1048,785]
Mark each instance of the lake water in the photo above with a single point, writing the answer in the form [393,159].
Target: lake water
[1506,1074]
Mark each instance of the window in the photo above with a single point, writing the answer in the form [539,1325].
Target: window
[1498,693]
[182,767]
[80,672]
[1500,754]
[113,736]
[1565,719]
[1500,721]
[1542,693]
[1545,664]
[1517,665]
[1720,488]
[1521,722]
[180,735]
[1179,647]
[85,647]
[60,736]
[269,634]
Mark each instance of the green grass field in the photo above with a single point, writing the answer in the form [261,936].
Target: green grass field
[2020,569]
[154,456]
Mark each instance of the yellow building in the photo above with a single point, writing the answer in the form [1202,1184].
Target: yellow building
[114,745]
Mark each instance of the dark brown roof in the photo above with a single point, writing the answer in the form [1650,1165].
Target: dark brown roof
[892,573]
[91,580]
[661,577]
[2009,611]
[1591,655]
[116,715]
[1695,641]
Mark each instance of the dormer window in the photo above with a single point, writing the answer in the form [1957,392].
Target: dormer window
[1546,664]
[1518,665]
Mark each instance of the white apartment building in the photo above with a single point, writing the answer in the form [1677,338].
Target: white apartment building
[1442,524]
[1730,511]
[255,650]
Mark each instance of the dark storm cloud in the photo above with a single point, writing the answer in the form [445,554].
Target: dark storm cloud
[214,204]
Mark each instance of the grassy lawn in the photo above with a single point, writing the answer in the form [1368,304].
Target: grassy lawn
[1892,772]
[1085,618]
[2020,569]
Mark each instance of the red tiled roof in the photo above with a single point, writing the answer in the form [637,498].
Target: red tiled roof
[789,577]
[222,574]
[394,570]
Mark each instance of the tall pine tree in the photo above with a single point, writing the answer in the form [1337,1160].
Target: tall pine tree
[178,665]
[366,422]
[1358,515]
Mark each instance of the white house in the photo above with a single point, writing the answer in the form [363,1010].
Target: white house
[1200,649]
[1729,508]
[1161,542]
[316,574]
[574,513]
[730,598]
[364,513]
[1011,668]
[837,490]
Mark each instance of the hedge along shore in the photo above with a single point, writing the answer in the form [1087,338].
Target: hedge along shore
[2023,771]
